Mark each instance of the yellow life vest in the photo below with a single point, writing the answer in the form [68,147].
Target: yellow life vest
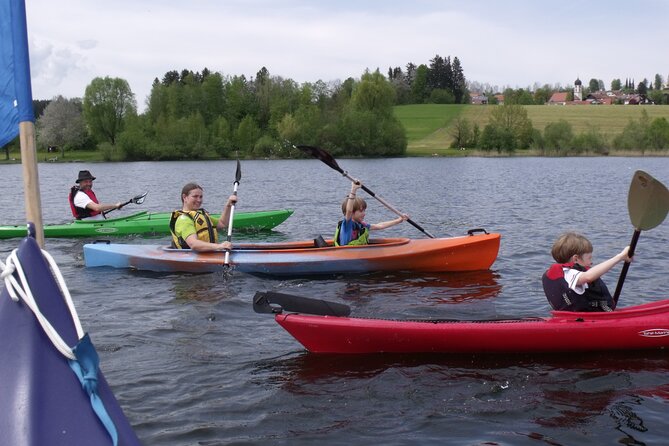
[361,239]
[204,228]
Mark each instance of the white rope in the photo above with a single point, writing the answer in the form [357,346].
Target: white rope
[22,290]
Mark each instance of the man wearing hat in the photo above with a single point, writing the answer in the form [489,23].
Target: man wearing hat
[84,203]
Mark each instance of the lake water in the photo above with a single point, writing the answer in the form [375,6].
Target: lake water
[192,364]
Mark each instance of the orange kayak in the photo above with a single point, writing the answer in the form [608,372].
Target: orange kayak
[476,251]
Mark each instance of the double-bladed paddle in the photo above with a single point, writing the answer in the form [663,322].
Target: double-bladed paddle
[647,204]
[238,177]
[138,199]
[324,156]
[276,303]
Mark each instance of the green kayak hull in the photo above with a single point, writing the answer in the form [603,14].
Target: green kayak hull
[147,223]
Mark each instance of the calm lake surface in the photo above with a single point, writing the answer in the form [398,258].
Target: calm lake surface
[192,364]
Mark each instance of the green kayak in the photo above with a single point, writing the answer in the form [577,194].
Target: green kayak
[148,223]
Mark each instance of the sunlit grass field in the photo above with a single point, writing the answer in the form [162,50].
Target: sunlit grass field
[428,126]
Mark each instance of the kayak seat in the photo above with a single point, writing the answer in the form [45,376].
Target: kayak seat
[319,242]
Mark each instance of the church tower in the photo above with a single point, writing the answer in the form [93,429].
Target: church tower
[578,90]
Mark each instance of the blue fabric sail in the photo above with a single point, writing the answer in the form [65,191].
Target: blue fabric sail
[42,401]
[16,98]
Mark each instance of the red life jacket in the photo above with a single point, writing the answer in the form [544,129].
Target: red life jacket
[595,298]
[78,212]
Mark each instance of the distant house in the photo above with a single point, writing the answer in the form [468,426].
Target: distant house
[478,98]
[500,99]
[558,99]
[600,97]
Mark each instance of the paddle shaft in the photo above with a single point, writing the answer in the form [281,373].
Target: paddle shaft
[626,266]
[232,211]
[112,210]
[139,199]
[386,204]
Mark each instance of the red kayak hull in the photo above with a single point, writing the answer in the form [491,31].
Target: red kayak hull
[638,327]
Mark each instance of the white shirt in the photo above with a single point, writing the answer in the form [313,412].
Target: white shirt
[571,276]
[81,200]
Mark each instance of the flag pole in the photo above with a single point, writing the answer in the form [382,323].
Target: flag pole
[15,30]
[32,197]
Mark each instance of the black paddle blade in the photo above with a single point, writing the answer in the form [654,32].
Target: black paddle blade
[322,155]
[276,303]
[647,201]
[238,173]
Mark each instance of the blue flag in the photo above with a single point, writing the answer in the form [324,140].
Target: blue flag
[16,98]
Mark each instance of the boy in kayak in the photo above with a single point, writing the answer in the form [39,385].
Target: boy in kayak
[83,202]
[192,226]
[573,284]
[352,230]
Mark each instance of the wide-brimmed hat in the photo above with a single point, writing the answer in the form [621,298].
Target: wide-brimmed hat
[84,175]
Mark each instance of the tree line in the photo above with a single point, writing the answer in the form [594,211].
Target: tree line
[510,130]
[195,115]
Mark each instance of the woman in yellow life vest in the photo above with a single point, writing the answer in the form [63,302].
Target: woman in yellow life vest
[353,230]
[192,227]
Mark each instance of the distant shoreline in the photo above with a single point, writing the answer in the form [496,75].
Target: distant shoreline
[446,153]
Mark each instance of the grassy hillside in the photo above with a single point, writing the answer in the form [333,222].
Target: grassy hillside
[428,125]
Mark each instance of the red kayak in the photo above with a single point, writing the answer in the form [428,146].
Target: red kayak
[328,329]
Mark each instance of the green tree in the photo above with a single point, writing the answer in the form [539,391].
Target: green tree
[542,95]
[558,136]
[635,134]
[107,102]
[221,136]
[213,101]
[616,85]
[658,134]
[368,126]
[459,82]
[593,85]
[374,93]
[441,96]
[419,87]
[642,89]
[518,97]
[497,138]
[247,134]
[240,101]
[658,82]
[591,140]
[464,134]
[61,125]
[657,97]
[513,120]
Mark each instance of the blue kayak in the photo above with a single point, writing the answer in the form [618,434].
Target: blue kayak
[42,398]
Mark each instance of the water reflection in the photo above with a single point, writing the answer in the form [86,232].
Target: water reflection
[438,288]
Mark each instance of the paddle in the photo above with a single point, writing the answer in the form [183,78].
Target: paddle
[647,204]
[330,161]
[138,199]
[238,177]
[271,302]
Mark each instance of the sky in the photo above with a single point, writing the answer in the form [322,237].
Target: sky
[511,43]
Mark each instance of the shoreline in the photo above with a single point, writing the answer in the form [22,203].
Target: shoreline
[446,153]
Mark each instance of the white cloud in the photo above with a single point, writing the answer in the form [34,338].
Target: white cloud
[515,43]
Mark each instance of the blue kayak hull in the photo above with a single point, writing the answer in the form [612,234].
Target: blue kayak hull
[41,399]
